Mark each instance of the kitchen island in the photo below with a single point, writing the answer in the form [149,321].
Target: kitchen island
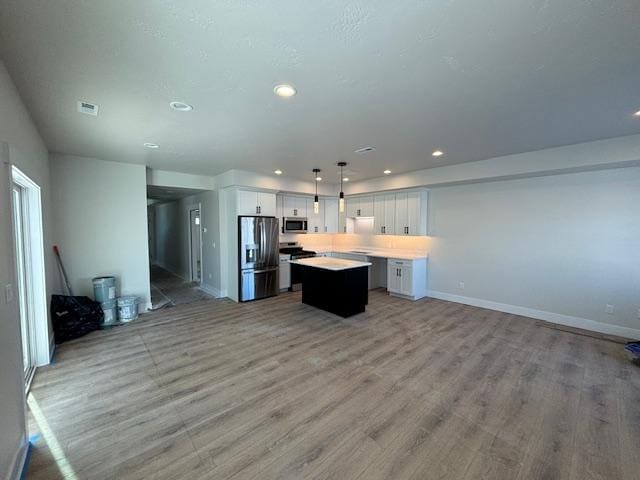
[335,285]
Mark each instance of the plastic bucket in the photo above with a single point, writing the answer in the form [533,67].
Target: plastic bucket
[127,309]
[104,289]
[110,313]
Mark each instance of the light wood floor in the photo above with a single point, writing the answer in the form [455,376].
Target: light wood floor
[278,390]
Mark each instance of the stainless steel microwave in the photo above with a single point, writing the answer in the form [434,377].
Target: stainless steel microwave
[294,225]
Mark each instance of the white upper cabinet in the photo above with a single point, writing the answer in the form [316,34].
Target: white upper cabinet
[267,204]
[351,207]
[411,213]
[295,207]
[359,207]
[384,213]
[331,215]
[256,203]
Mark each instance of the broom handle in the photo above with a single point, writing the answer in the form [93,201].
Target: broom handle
[64,272]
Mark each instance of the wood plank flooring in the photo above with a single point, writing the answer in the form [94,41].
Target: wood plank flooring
[278,390]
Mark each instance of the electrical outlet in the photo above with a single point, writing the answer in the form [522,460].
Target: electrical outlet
[461,285]
[608,308]
[8,293]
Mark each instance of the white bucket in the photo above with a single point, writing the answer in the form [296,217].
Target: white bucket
[104,289]
[110,313]
[127,309]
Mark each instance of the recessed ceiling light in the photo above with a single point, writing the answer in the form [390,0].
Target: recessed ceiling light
[284,90]
[345,179]
[319,179]
[387,172]
[278,172]
[637,114]
[181,106]
[437,153]
[151,145]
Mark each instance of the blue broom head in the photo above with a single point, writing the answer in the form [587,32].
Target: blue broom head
[634,348]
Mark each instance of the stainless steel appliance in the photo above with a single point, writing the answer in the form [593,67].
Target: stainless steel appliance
[257,257]
[295,251]
[294,225]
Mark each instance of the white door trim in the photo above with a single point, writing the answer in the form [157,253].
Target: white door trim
[195,206]
[34,259]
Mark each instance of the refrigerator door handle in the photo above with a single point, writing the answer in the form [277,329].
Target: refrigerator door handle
[266,270]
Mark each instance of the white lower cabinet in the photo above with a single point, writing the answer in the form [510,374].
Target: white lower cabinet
[407,278]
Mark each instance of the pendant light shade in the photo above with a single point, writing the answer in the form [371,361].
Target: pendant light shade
[316,201]
[341,198]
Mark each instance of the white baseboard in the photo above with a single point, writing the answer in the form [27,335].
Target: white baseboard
[211,290]
[551,317]
[19,463]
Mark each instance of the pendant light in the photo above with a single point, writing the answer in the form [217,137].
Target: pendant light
[316,202]
[341,200]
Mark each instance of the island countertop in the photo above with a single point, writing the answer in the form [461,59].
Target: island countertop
[329,263]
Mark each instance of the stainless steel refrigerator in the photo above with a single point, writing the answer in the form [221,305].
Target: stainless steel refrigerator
[258,257]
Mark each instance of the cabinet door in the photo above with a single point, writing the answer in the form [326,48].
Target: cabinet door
[393,278]
[331,215]
[352,206]
[290,206]
[305,208]
[316,220]
[414,212]
[402,216]
[390,214]
[267,204]
[366,207]
[406,280]
[247,203]
[379,215]
[279,208]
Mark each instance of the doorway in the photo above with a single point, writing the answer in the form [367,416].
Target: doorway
[30,272]
[195,245]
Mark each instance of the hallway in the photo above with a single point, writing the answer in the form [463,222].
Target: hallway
[168,289]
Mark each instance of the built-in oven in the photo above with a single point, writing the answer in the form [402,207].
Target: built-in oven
[294,225]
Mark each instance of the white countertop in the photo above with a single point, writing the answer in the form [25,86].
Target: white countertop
[329,263]
[374,252]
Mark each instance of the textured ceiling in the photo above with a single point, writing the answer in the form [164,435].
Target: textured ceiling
[477,79]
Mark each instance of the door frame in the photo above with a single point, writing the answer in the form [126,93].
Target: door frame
[35,267]
[195,206]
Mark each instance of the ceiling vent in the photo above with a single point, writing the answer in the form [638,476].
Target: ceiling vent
[88,108]
[364,150]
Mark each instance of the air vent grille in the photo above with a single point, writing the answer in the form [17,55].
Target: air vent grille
[364,150]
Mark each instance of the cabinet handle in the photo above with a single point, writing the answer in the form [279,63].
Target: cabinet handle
[295,212]
[399,272]
[358,213]
[325,229]
[315,229]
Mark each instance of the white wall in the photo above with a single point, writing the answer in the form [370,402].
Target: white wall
[100,216]
[565,244]
[23,147]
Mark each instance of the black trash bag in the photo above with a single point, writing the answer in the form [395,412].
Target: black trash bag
[74,317]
